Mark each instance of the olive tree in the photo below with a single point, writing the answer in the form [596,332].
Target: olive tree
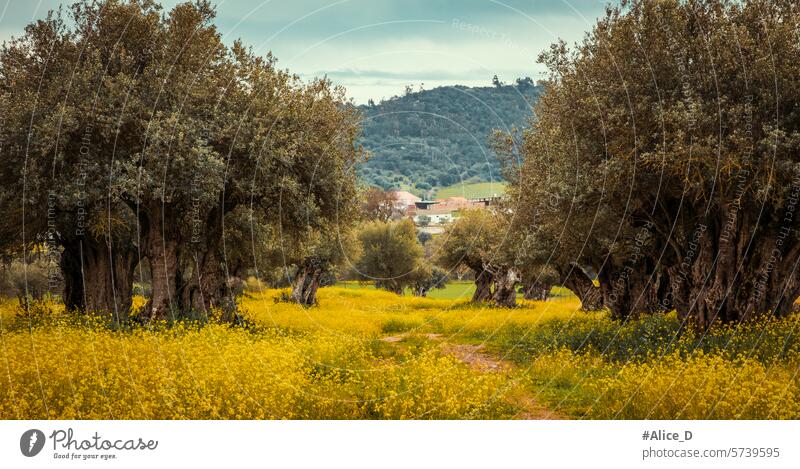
[664,155]
[478,240]
[391,256]
[139,133]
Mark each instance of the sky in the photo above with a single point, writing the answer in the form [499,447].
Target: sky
[377,47]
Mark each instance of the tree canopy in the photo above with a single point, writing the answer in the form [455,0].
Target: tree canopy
[391,256]
[132,133]
[664,156]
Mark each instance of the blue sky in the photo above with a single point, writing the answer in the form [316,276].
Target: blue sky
[376,47]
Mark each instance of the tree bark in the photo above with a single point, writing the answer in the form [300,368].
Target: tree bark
[98,277]
[305,284]
[188,274]
[203,284]
[506,280]
[739,265]
[483,286]
[575,279]
[628,292]
[162,244]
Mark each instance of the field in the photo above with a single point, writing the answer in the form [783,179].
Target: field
[473,190]
[370,354]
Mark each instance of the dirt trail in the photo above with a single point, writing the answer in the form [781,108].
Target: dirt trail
[475,357]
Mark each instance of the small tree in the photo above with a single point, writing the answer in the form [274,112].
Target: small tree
[324,252]
[524,83]
[391,254]
[426,278]
[423,237]
[476,241]
[378,204]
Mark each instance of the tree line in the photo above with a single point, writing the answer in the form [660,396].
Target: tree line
[664,160]
[135,143]
[660,171]
[438,137]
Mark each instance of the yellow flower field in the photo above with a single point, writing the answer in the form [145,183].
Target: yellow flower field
[371,354]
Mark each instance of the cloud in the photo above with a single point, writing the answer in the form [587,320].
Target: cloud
[401,75]
[372,46]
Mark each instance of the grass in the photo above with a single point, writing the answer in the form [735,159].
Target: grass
[455,290]
[365,353]
[472,190]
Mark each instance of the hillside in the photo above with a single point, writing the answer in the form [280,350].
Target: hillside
[437,138]
[472,191]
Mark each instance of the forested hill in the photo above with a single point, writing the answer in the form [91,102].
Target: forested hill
[439,137]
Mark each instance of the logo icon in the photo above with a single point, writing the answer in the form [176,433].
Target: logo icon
[31,442]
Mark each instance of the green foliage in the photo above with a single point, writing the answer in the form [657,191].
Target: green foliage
[143,131]
[649,337]
[668,169]
[438,138]
[473,240]
[391,254]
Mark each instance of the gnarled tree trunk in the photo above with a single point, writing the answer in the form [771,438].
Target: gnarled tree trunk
[506,280]
[204,277]
[98,277]
[188,274]
[575,279]
[203,284]
[632,290]
[739,265]
[162,247]
[420,291]
[483,286]
[306,283]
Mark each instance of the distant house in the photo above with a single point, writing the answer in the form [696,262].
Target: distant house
[434,216]
[458,203]
[425,204]
[407,198]
[425,213]
[404,200]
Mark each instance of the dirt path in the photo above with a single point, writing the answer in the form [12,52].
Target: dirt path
[476,357]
